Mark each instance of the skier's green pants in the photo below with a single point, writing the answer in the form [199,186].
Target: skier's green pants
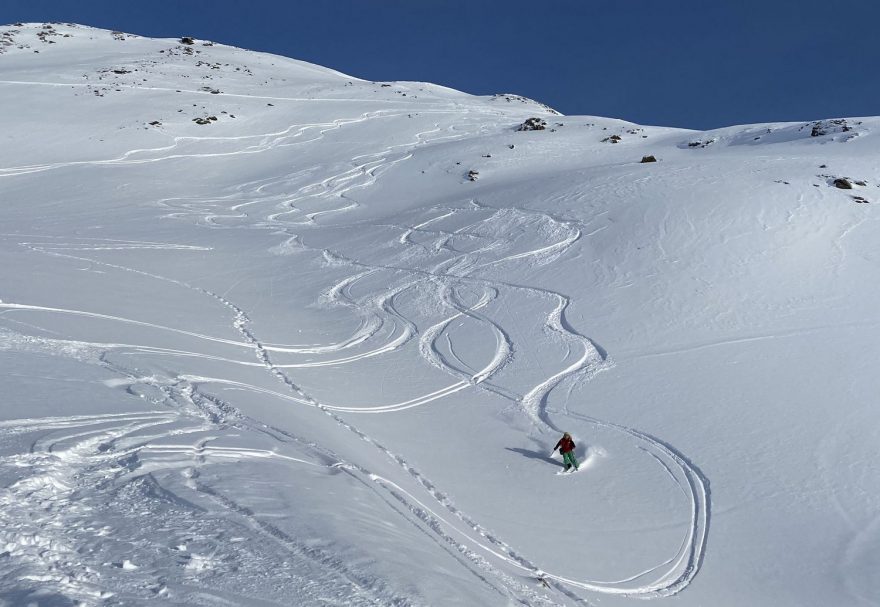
[569,459]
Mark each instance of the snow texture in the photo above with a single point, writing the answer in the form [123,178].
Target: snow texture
[274,335]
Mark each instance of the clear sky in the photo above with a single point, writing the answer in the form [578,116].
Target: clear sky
[689,63]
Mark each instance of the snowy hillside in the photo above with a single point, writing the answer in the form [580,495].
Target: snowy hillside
[274,335]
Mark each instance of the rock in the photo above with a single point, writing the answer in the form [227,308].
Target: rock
[832,127]
[698,143]
[472,175]
[842,183]
[187,40]
[648,159]
[612,139]
[533,124]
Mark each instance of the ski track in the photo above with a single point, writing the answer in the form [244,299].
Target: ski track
[122,443]
[266,141]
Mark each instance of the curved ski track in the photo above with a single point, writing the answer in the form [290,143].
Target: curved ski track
[108,449]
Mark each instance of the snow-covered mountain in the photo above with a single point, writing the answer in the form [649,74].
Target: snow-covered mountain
[274,335]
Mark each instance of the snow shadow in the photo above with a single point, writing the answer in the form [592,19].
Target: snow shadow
[31,597]
[539,455]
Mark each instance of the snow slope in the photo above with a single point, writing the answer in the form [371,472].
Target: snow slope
[273,335]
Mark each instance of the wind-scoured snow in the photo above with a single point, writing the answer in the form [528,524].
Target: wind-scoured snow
[275,335]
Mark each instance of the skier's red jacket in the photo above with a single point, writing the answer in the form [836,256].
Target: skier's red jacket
[565,444]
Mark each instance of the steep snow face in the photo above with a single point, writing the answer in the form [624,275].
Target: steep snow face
[274,335]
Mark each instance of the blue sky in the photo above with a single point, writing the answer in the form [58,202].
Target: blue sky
[688,63]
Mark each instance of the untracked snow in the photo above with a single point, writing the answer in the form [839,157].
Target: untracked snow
[274,335]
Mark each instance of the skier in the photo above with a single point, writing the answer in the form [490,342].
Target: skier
[566,448]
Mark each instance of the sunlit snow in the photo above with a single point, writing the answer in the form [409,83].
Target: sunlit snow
[274,335]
